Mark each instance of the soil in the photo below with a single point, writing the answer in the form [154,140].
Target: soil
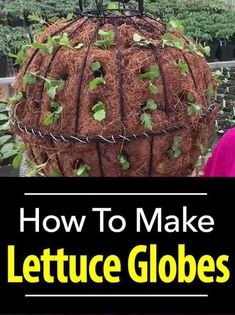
[124,95]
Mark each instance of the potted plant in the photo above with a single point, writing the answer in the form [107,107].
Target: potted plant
[3,46]
[7,144]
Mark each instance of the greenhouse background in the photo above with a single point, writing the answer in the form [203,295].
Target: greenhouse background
[209,22]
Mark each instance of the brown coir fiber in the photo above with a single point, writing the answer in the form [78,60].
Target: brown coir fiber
[124,95]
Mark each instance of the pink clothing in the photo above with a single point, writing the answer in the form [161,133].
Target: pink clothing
[222,161]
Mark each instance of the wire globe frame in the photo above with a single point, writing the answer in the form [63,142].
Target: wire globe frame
[102,15]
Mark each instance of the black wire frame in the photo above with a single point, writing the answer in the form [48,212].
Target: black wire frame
[100,10]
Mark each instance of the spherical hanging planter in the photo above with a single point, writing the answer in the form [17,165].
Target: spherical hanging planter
[114,93]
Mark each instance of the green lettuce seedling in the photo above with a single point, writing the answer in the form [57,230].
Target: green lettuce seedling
[183,67]
[83,170]
[123,161]
[53,116]
[169,40]
[99,111]
[175,151]
[153,73]
[106,40]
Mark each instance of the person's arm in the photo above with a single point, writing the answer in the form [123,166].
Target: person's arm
[222,161]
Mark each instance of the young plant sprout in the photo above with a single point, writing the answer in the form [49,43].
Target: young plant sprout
[53,42]
[199,49]
[153,73]
[146,117]
[30,78]
[153,88]
[175,151]
[47,49]
[96,66]
[53,86]
[175,26]
[194,109]
[83,170]
[95,82]
[16,99]
[141,41]
[150,105]
[183,67]
[35,169]
[106,40]
[190,97]
[123,161]
[99,111]
[53,116]
[205,50]
[171,41]
[21,55]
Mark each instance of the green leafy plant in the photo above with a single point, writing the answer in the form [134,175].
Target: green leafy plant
[83,170]
[205,152]
[48,49]
[150,105]
[123,161]
[16,99]
[147,120]
[59,40]
[153,88]
[198,49]
[99,111]
[95,66]
[175,26]
[205,50]
[4,139]
[20,56]
[13,149]
[70,16]
[4,122]
[95,82]
[53,42]
[53,86]
[153,73]
[190,97]
[30,78]
[194,109]
[183,67]
[146,117]
[175,151]
[35,169]
[169,40]
[141,41]
[53,116]
[106,40]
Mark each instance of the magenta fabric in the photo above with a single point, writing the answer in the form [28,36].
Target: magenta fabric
[222,161]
